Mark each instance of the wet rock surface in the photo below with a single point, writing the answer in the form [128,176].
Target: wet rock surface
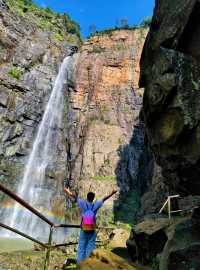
[30,56]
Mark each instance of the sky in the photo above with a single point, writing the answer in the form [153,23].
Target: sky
[101,13]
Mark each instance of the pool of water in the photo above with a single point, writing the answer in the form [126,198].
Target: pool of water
[14,244]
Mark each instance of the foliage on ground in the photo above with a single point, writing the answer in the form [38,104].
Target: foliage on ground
[33,260]
[46,19]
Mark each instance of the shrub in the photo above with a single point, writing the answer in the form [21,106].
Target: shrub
[96,49]
[107,121]
[120,141]
[146,22]
[59,37]
[15,73]
[46,18]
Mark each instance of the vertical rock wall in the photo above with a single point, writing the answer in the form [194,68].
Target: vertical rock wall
[30,56]
[170,75]
[105,137]
[103,142]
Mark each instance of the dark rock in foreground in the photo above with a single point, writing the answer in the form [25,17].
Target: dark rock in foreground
[170,74]
[173,244]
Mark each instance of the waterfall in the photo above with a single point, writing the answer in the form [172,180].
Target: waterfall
[33,187]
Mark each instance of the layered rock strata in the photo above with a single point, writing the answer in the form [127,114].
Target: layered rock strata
[105,139]
[30,55]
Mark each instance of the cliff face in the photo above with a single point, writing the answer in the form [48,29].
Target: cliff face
[104,113]
[170,75]
[30,54]
[103,142]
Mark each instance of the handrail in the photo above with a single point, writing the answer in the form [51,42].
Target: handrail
[33,210]
[168,204]
[25,204]
[37,213]
[23,234]
[67,226]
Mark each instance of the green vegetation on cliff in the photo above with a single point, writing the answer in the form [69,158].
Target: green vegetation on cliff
[15,73]
[46,19]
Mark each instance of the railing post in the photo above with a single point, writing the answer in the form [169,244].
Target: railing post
[47,258]
[169,207]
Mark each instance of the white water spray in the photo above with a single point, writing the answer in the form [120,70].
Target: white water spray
[34,188]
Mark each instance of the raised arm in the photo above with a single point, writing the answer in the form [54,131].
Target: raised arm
[70,193]
[109,196]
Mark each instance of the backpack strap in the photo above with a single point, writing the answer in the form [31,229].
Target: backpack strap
[87,206]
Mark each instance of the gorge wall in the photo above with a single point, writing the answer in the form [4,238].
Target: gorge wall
[170,75]
[33,43]
[104,116]
[103,143]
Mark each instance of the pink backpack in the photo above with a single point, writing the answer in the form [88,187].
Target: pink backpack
[88,222]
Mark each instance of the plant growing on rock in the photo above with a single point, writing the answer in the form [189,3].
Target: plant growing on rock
[59,37]
[46,19]
[196,84]
[96,49]
[103,178]
[146,22]
[15,73]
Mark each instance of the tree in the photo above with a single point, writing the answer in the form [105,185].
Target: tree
[117,24]
[28,2]
[124,23]
[146,22]
[92,29]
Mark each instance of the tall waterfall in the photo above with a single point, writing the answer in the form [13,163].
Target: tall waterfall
[33,187]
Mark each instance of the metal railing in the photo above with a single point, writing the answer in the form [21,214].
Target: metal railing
[168,205]
[48,246]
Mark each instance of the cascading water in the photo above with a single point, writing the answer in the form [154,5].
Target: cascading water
[33,187]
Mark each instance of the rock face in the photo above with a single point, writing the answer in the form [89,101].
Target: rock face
[170,75]
[105,260]
[30,55]
[103,142]
[105,139]
[172,244]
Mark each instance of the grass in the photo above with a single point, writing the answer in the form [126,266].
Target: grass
[12,244]
[103,178]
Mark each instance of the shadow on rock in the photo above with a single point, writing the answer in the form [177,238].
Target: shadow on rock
[133,174]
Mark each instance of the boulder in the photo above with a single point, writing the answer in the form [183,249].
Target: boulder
[147,240]
[172,244]
[105,260]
